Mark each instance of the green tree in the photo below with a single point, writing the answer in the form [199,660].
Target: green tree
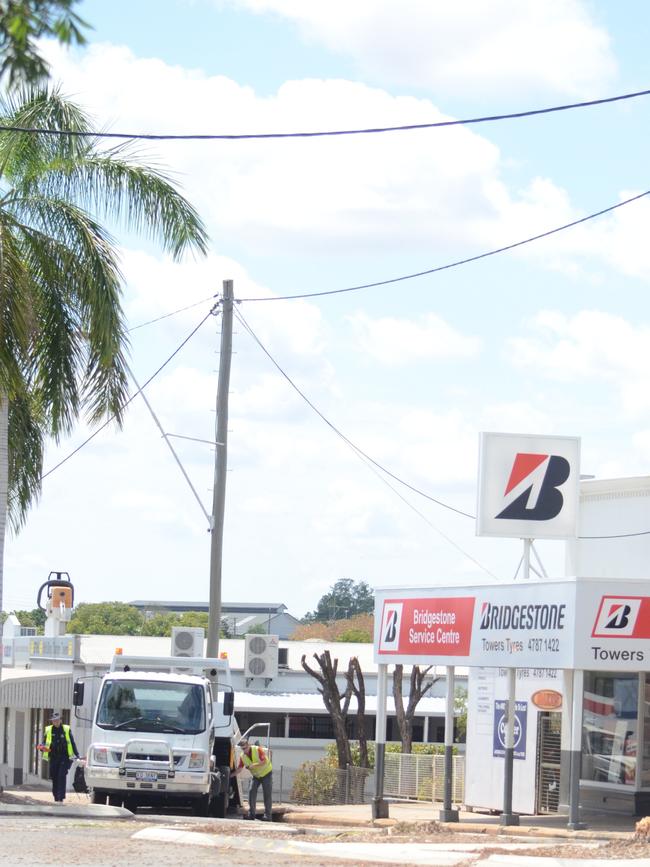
[195,618]
[35,617]
[346,598]
[160,624]
[63,338]
[105,618]
[24,21]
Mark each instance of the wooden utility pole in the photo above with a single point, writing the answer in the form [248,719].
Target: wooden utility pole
[220,468]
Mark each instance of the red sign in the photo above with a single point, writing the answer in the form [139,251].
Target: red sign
[427,627]
[547,699]
[623,617]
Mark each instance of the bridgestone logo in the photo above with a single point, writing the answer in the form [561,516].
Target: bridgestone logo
[522,616]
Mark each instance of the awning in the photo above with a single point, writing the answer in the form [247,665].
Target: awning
[34,688]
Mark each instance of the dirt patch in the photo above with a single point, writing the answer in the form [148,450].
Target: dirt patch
[615,849]
[6,798]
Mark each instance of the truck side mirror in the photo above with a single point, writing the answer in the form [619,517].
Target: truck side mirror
[229,704]
[78,694]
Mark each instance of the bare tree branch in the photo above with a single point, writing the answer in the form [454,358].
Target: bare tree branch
[336,704]
[416,692]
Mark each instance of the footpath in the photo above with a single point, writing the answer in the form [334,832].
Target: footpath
[340,834]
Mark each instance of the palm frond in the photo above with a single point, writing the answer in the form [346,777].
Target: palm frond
[142,199]
[15,308]
[25,456]
[79,268]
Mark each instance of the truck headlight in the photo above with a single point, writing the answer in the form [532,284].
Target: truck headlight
[197,760]
[100,755]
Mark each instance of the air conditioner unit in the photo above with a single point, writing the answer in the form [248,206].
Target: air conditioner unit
[187,641]
[261,656]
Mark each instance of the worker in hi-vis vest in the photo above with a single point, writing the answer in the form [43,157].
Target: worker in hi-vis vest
[59,750]
[256,760]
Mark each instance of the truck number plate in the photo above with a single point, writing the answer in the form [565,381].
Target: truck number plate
[146,776]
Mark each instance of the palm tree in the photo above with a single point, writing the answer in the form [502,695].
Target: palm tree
[62,332]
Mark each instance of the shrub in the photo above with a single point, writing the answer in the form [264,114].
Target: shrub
[315,782]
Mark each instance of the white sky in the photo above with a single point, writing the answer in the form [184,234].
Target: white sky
[549,339]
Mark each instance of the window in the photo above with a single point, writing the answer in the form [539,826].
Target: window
[151,706]
[610,728]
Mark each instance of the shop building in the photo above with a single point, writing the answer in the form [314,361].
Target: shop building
[559,669]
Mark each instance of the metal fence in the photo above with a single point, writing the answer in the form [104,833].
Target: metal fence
[422,778]
[412,777]
[314,783]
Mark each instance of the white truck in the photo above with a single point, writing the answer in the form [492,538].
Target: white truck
[164,733]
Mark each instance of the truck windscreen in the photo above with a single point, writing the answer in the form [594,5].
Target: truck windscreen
[151,706]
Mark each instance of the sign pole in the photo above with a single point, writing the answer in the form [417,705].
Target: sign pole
[508,817]
[565,740]
[379,805]
[576,753]
[447,814]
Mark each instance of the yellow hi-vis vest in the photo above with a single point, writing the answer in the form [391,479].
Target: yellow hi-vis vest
[263,769]
[48,741]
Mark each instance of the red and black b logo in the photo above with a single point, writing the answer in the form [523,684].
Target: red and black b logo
[538,477]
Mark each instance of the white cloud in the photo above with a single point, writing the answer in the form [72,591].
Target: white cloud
[390,340]
[468,46]
[283,199]
[589,346]
[288,197]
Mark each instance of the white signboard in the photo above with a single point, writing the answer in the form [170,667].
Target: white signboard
[588,624]
[512,625]
[613,626]
[528,486]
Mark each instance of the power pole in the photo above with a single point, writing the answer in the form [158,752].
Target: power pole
[220,468]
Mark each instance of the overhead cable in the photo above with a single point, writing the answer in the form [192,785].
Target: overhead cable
[333,427]
[452,264]
[375,464]
[173,313]
[321,133]
[372,464]
[131,398]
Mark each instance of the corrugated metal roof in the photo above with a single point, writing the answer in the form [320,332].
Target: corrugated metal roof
[312,703]
[226,607]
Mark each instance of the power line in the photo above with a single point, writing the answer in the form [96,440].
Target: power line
[173,313]
[131,398]
[617,535]
[338,432]
[375,464]
[322,133]
[452,264]
[372,464]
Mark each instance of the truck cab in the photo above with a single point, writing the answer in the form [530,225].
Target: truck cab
[164,735]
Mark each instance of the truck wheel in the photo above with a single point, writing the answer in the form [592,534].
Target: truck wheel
[221,801]
[114,800]
[98,797]
[201,806]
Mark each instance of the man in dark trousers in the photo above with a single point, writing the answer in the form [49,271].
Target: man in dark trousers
[254,759]
[59,750]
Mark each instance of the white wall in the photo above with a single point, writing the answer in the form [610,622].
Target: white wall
[483,770]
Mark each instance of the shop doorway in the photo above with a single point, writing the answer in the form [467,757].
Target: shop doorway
[549,739]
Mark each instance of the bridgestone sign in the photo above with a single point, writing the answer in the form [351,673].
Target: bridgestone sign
[571,623]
